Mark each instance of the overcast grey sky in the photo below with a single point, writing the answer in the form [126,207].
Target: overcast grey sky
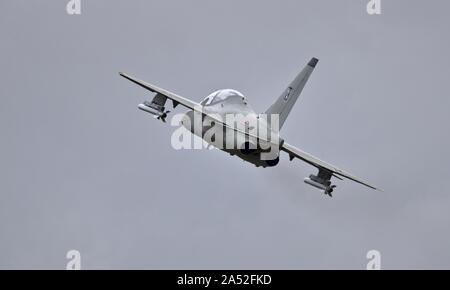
[82,168]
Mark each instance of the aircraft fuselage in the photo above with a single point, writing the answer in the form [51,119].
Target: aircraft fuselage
[237,138]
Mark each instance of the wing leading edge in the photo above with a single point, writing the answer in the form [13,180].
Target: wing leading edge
[174,97]
[314,161]
[183,101]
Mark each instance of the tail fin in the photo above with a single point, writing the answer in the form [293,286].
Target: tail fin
[283,105]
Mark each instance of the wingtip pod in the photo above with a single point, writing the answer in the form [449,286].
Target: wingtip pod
[313,62]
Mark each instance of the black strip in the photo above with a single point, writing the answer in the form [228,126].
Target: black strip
[313,62]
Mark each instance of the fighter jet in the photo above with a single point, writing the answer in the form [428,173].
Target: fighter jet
[245,144]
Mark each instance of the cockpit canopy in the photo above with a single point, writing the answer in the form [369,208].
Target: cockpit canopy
[221,95]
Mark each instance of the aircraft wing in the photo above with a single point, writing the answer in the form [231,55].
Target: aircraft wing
[179,100]
[314,161]
[174,97]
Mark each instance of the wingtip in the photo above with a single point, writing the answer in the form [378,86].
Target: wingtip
[313,62]
[125,75]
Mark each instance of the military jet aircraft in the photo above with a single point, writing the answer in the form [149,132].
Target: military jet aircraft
[247,146]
